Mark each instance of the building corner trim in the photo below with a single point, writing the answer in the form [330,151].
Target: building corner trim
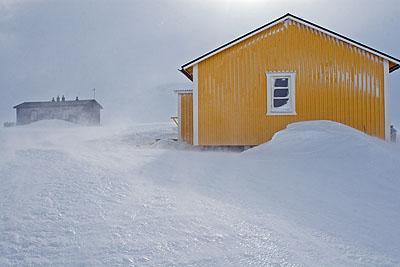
[180,117]
[195,105]
[386,98]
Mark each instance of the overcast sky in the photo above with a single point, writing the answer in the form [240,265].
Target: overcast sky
[130,50]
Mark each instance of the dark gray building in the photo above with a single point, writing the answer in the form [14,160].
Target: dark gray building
[85,112]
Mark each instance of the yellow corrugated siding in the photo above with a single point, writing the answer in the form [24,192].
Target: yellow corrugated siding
[186,119]
[334,81]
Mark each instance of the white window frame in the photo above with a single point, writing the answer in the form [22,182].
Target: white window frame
[271,76]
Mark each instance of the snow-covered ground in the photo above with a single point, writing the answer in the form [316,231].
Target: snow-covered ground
[318,194]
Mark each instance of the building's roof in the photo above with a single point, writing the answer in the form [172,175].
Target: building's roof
[67,103]
[183,91]
[395,61]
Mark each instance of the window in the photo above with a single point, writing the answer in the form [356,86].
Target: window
[281,93]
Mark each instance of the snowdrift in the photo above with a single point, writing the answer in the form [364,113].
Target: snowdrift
[319,193]
[335,179]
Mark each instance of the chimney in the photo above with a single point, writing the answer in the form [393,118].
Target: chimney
[58,98]
[76,98]
[63,98]
[52,100]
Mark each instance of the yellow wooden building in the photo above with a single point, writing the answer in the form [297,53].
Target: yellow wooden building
[286,71]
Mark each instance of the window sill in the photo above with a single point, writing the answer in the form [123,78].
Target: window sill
[281,113]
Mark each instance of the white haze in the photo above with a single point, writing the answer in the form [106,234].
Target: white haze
[130,50]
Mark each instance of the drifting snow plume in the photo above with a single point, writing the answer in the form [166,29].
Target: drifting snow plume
[319,193]
[50,124]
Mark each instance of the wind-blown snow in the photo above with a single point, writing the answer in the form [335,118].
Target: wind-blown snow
[319,193]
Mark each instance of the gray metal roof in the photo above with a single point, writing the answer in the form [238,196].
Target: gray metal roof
[183,91]
[67,103]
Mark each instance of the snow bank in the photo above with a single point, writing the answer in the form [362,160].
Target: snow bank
[313,137]
[319,194]
[335,179]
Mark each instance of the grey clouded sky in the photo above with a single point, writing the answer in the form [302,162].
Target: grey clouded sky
[130,50]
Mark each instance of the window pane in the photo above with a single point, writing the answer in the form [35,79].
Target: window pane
[280,102]
[281,92]
[281,82]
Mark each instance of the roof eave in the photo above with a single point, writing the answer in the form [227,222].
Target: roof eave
[395,67]
[17,106]
[96,103]
[187,74]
